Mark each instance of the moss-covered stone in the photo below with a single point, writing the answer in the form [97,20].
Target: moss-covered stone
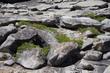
[94,16]
[94,30]
[45,50]
[62,38]
[37,25]
[29,46]
[26,46]
[79,41]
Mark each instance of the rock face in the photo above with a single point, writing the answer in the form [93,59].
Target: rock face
[70,22]
[107,70]
[5,31]
[106,56]
[5,56]
[23,35]
[49,39]
[102,44]
[91,3]
[106,24]
[60,53]
[93,55]
[30,59]
[54,36]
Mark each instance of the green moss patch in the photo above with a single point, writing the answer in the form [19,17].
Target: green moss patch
[79,41]
[37,25]
[62,38]
[45,50]
[94,16]
[26,46]
[94,30]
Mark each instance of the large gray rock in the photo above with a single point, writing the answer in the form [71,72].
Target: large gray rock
[31,59]
[104,11]
[106,56]
[70,69]
[5,56]
[105,25]
[107,70]
[64,5]
[48,38]
[9,62]
[5,31]
[40,37]
[102,43]
[85,65]
[49,69]
[59,54]
[41,7]
[87,44]
[70,22]
[56,1]
[22,35]
[92,3]
[93,56]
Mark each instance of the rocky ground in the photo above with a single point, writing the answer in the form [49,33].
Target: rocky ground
[55,36]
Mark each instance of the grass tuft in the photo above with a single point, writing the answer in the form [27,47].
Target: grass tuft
[62,38]
[26,46]
[94,30]
[94,16]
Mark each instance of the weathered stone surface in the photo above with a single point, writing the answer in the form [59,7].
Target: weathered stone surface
[107,70]
[22,35]
[5,31]
[102,43]
[30,59]
[92,3]
[48,38]
[70,22]
[87,44]
[106,24]
[93,56]
[104,11]
[85,65]
[9,62]
[60,53]
[42,7]
[106,56]
[5,56]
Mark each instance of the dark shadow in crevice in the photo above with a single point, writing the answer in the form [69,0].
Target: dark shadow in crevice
[12,1]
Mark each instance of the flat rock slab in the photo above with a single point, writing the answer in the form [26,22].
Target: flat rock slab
[92,3]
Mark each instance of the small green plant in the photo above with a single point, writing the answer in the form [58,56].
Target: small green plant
[94,16]
[45,50]
[79,41]
[43,27]
[37,25]
[26,46]
[23,22]
[94,30]
[62,38]
[29,46]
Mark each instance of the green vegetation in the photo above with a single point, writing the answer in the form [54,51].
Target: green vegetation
[23,22]
[26,46]
[94,30]
[62,38]
[45,50]
[59,36]
[94,16]
[29,46]
[79,41]
[37,25]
